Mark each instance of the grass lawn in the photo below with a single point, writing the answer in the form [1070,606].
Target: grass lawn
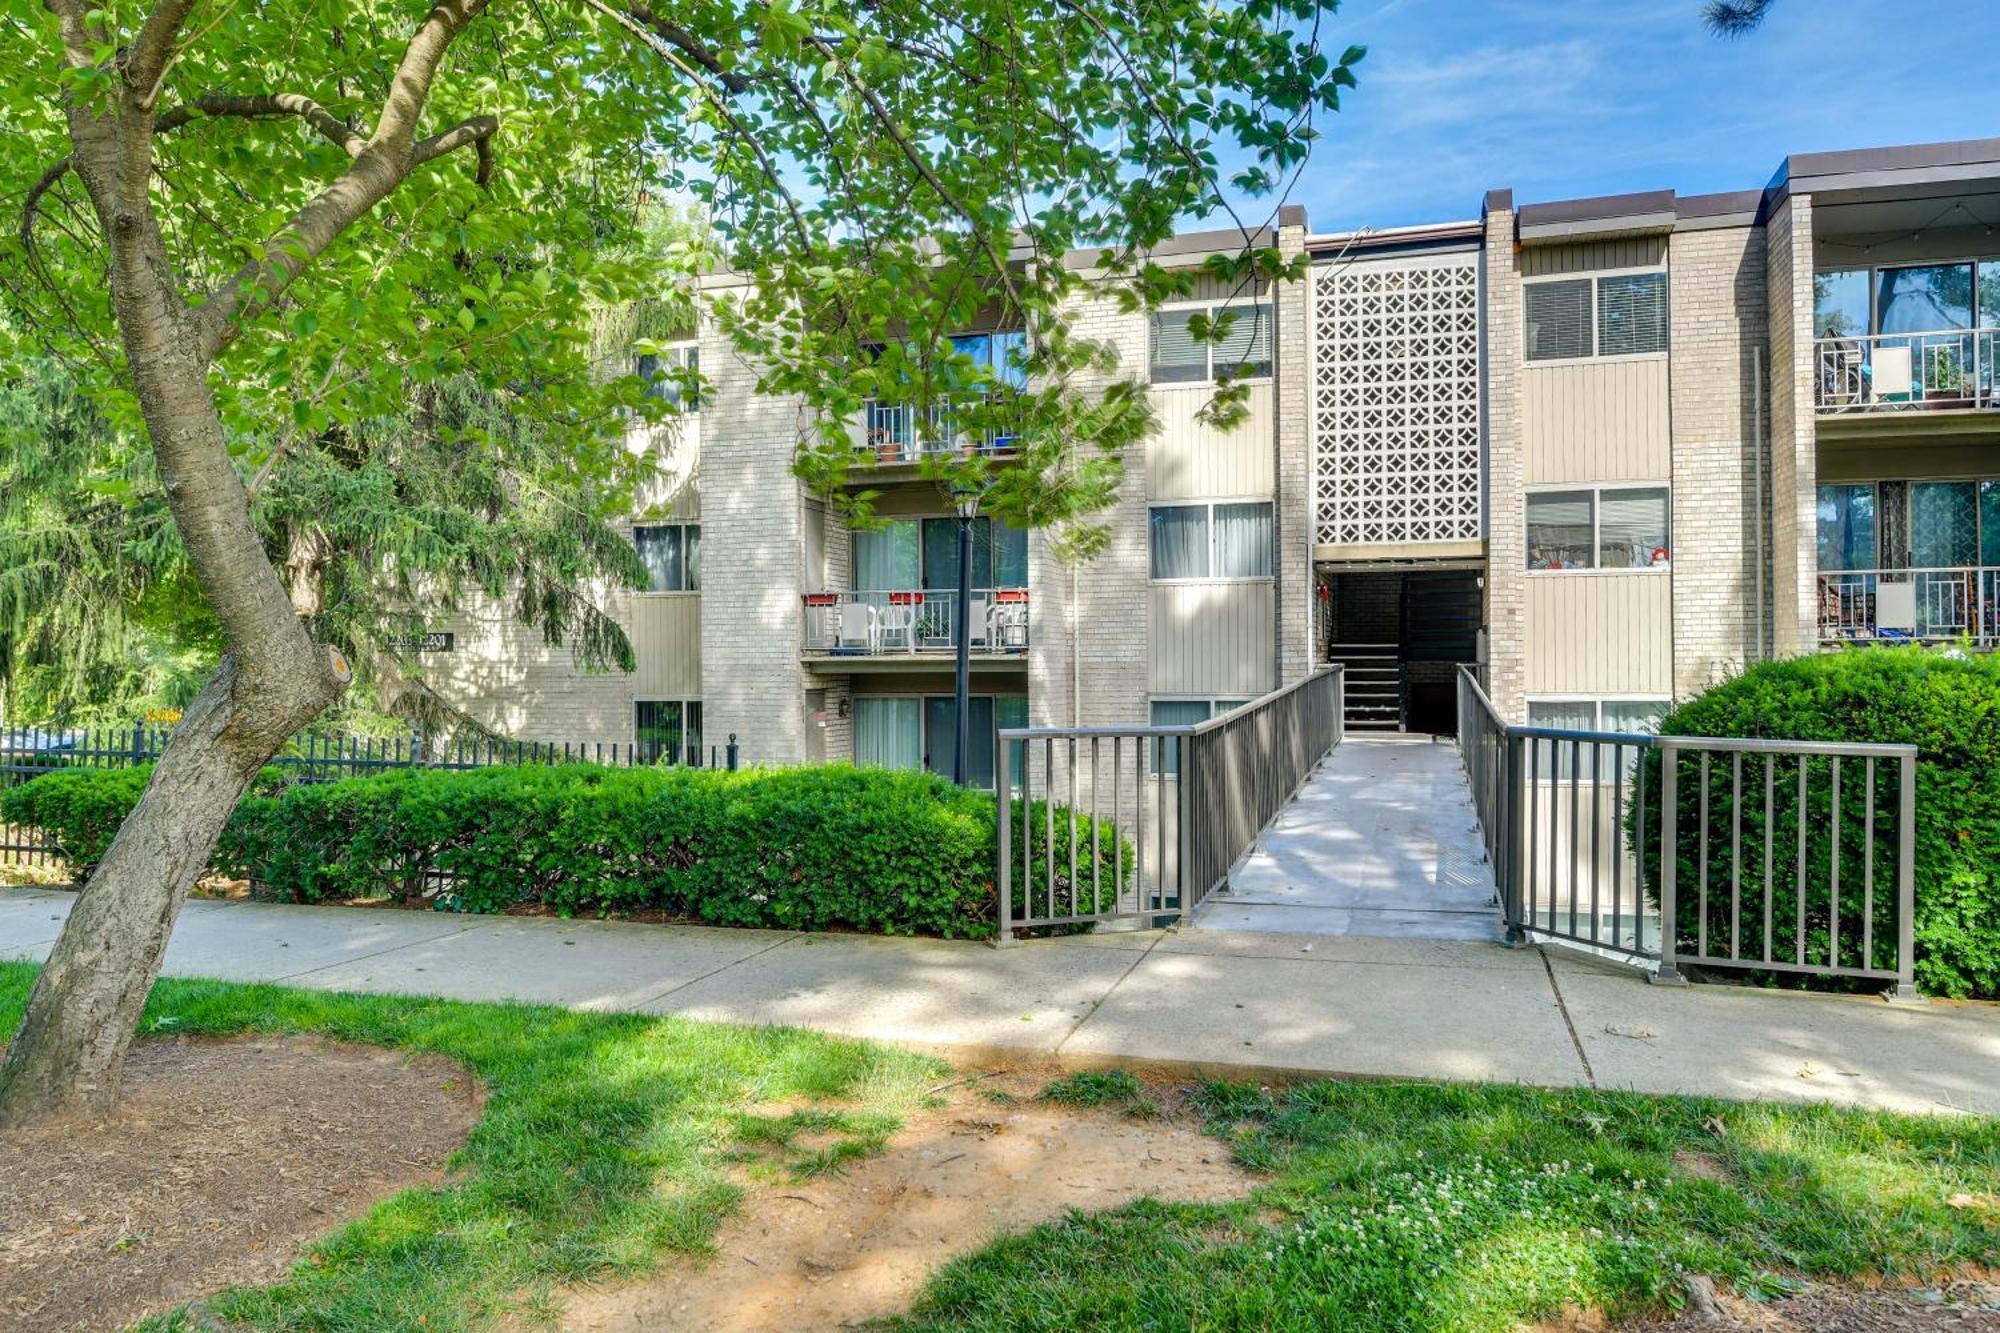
[607,1144]
[1413,1206]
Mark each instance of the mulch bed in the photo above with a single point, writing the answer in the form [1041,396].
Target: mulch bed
[226,1159]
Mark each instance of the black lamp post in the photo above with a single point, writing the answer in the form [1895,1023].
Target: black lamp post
[966,501]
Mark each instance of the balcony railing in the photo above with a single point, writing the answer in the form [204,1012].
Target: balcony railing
[902,433]
[1904,372]
[914,622]
[1910,605]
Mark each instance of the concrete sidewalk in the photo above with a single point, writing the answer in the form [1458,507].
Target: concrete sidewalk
[1225,1001]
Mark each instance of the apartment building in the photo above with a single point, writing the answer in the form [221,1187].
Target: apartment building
[1611,448]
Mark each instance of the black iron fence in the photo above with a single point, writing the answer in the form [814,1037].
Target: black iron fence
[28,752]
[1754,854]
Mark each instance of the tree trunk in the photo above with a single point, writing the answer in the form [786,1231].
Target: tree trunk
[69,1054]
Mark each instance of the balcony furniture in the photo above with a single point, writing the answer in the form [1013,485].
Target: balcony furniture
[898,625]
[857,629]
[1843,373]
[1896,609]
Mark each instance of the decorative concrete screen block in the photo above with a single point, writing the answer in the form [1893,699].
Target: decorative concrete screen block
[1396,450]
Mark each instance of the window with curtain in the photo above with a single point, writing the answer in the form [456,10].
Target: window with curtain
[1560,530]
[671,553]
[1631,716]
[1631,314]
[1840,303]
[1558,319]
[999,554]
[1944,524]
[1180,541]
[1242,351]
[1165,753]
[1989,522]
[941,737]
[1243,541]
[888,732]
[1632,529]
[886,557]
[662,373]
[1847,534]
[1923,298]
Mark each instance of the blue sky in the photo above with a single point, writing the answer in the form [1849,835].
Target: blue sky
[1561,100]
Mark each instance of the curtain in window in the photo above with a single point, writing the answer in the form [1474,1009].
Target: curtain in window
[1559,535]
[1631,314]
[885,558]
[888,733]
[1177,357]
[1180,542]
[1632,529]
[941,553]
[693,543]
[1012,711]
[661,551]
[1009,349]
[1164,754]
[1558,319]
[940,712]
[1009,555]
[1846,527]
[1944,524]
[1989,522]
[1243,541]
[1926,298]
[1246,348]
[693,732]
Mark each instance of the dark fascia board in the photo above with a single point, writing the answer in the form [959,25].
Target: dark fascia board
[1445,236]
[1648,213]
[1188,245]
[1707,212]
[1874,168]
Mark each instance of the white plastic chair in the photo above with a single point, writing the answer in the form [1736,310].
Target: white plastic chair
[858,626]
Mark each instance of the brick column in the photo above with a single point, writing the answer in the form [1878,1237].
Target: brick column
[1293,526]
[1794,465]
[1506,514]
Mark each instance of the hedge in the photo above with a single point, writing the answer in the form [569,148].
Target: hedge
[799,848]
[1944,702]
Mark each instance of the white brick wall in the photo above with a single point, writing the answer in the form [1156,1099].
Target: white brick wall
[1506,518]
[1794,563]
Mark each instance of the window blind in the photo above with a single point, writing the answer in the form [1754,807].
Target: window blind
[1632,314]
[1632,529]
[1245,350]
[1558,320]
[1177,357]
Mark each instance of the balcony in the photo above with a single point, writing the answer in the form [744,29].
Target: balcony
[915,624]
[899,434]
[1944,605]
[1951,369]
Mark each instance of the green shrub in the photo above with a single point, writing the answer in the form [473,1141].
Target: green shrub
[797,848]
[1945,703]
[80,808]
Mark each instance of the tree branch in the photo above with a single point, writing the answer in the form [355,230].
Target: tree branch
[145,60]
[476,130]
[382,164]
[688,45]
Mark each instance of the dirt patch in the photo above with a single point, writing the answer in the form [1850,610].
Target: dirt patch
[857,1244]
[1969,1304]
[226,1157]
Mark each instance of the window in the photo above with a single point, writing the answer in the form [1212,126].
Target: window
[1604,528]
[1618,314]
[920,733]
[1944,524]
[1847,527]
[672,555]
[923,553]
[1232,540]
[1183,713]
[1840,303]
[1628,716]
[1928,298]
[668,731]
[669,374]
[1242,352]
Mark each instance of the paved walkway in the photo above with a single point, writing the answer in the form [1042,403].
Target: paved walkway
[1381,841]
[1246,1003]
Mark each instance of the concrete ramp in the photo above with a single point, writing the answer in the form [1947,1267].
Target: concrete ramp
[1381,841]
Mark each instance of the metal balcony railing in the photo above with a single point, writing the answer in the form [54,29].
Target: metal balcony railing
[913,622]
[1902,372]
[901,433]
[1910,605]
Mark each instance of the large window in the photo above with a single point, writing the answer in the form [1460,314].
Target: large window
[923,553]
[1229,540]
[910,732]
[1624,527]
[1617,314]
[668,731]
[1628,716]
[1242,352]
[1847,528]
[1906,299]
[670,374]
[672,555]
[1944,524]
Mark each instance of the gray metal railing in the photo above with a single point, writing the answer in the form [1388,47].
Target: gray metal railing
[1699,850]
[1189,801]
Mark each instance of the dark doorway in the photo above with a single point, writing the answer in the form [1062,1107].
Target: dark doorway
[1401,634]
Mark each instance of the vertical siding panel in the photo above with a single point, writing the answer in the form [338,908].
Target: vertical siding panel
[1211,639]
[1600,634]
[666,642]
[1187,460]
[1597,421]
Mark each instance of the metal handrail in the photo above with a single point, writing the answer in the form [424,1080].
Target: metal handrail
[1952,366]
[1563,860]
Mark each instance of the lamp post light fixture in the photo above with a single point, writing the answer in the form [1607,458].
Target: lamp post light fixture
[966,501]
